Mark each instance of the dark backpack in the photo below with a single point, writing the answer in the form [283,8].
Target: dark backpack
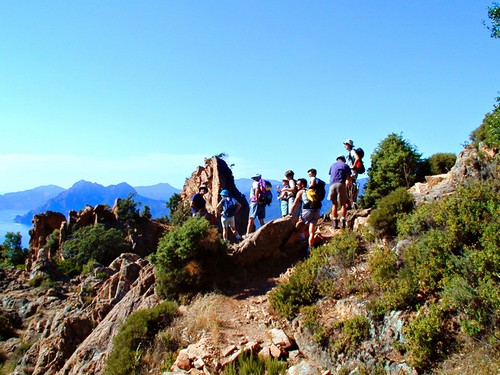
[228,207]
[266,192]
[360,152]
[358,166]
[315,195]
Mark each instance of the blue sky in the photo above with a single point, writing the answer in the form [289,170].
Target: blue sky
[143,91]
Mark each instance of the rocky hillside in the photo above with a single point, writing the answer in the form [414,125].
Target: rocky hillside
[67,326]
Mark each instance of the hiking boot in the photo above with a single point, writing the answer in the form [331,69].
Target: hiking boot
[344,223]
[335,224]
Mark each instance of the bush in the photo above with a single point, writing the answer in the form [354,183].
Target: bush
[425,336]
[384,218]
[186,261]
[394,163]
[441,163]
[12,252]
[350,333]
[95,242]
[135,338]
[248,364]
[300,290]
[488,133]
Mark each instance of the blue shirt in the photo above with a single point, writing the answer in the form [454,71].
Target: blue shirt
[339,171]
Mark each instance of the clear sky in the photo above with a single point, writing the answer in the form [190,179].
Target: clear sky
[142,91]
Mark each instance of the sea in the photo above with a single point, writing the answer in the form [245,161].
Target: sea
[7,224]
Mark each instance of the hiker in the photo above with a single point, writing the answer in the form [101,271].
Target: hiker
[198,203]
[292,192]
[257,208]
[354,162]
[309,216]
[339,174]
[228,207]
[283,196]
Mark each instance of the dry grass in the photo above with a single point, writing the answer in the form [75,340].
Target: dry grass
[475,358]
[200,319]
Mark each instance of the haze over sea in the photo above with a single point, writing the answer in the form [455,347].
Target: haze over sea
[7,225]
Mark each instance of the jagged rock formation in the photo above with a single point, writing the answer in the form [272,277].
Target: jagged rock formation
[216,175]
[469,165]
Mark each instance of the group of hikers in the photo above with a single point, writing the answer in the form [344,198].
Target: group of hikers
[299,198]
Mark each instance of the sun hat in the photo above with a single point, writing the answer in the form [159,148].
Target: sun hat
[349,142]
[224,193]
[257,175]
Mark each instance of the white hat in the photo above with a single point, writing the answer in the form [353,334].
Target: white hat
[349,142]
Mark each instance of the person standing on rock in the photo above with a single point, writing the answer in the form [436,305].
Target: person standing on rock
[309,216]
[228,207]
[339,174]
[353,158]
[198,203]
[256,208]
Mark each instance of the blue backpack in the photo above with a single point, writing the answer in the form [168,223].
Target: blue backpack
[228,207]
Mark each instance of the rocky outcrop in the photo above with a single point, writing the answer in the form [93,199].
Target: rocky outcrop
[43,226]
[275,240]
[73,331]
[216,175]
[470,164]
[90,356]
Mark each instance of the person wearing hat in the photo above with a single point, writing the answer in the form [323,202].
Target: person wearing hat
[339,174]
[284,193]
[256,210]
[228,207]
[198,203]
[352,159]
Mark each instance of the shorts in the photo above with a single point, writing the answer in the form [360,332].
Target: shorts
[228,222]
[338,193]
[257,211]
[310,215]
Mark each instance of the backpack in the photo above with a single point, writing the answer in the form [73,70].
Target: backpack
[360,152]
[266,192]
[228,207]
[359,167]
[315,195]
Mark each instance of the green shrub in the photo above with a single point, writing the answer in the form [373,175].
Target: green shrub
[186,261]
[383,265]
[488,133]
[384,218]
[12,252]
[136,336]
[97,243]
[344,249]
[425,336]
[311,320]
[300,290]
[394,163]
[441,163]
[126,209]
[248,364]
[179,212]
[318,275]
[353,332]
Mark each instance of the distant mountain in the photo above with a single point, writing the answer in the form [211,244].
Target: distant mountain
[28,199]
[87,193]
[162,191]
